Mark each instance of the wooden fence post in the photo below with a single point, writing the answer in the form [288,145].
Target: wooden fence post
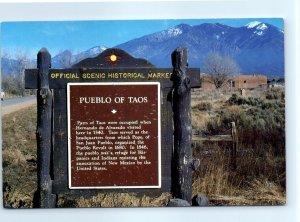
[45,198]
[181,101]
[234,146]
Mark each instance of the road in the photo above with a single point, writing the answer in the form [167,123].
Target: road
[17,100]
[15,104]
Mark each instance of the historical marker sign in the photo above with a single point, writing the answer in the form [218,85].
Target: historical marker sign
[114,135]
[74,165]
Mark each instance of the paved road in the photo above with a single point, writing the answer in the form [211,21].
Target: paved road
[15,101]
[12,105]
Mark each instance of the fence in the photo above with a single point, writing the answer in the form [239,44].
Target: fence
[233,137]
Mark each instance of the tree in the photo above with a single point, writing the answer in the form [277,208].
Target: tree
[13,80]
[220,68]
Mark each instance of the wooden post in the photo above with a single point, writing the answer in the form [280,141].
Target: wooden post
[181,101]
[234,146]
[45,198]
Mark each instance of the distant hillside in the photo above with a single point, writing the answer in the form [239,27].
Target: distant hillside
[257,47]
[67,58]
[12,66]
[7,65]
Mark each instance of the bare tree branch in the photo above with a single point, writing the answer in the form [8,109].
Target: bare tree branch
[220,68]
[13,78]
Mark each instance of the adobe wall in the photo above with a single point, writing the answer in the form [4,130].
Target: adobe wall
[238,82]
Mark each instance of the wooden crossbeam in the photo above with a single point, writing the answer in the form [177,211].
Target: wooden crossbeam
[214,138]
[58,78]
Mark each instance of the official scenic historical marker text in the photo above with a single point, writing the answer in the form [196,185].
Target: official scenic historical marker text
[114,135]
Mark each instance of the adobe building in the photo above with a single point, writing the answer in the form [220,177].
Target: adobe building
[237,82]
[206,83]
[248,82]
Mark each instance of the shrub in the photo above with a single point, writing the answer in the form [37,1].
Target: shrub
[251,101]
[260,174]
[275,93]
[203,106]
[259,125]
[222,122]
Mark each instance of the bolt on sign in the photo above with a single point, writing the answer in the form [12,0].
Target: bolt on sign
[114,135]
[111,124]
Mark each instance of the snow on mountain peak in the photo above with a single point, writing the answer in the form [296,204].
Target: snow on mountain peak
[97,49]
[252,24]
[178,29]
[260,33]
[262,26]
[258,26]
[174,31]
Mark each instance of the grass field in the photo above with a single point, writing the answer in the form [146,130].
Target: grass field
[260,175]
[19,158]
[258,180]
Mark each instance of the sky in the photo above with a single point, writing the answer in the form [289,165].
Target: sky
[56,36]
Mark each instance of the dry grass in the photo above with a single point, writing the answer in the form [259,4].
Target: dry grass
[199,120]
[19,158]
[260,175]
[259,193]
[248,185]
[114,200]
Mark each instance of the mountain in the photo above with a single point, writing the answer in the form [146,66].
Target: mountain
[92,52]
[66,58]
[62,60]
[257,47]
[11,66]
[7,65]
